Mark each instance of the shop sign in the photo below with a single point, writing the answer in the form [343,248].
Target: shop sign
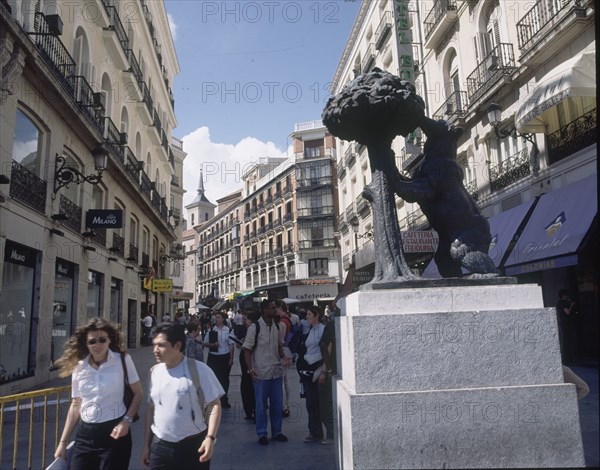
[65,269]
[19,254]
[312,282]
[104,218]
[420,241]
[314,292]
[162,285]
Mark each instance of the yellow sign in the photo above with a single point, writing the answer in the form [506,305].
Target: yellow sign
[162,285]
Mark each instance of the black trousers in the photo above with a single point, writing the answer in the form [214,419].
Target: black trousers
[219,363]
[177,455]
[95,450]
[246,388]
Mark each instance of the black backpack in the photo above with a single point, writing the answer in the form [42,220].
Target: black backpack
[258,330]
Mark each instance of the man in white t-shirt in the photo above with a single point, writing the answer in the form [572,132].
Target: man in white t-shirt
[176,433]
[146,329]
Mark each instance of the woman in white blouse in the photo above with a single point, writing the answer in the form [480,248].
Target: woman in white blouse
[93,359]
[314,359]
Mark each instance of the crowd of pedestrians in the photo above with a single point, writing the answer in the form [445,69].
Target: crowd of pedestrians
[188,387]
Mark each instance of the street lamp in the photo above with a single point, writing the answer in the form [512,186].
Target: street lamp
[66,174]
[494,113]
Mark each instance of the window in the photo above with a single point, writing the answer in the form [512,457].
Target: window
[26,145]
[318,267]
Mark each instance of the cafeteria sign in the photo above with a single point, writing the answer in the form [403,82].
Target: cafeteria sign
[162,285]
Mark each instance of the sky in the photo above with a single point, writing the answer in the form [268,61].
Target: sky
[250,70]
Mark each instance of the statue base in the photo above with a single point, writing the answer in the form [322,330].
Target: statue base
[453,377]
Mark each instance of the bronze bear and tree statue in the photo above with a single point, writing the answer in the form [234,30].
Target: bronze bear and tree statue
[372,110]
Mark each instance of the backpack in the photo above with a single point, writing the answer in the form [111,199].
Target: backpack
[258,330]
[196,381]
[295,338]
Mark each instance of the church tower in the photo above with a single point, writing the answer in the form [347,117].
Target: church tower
[200,209]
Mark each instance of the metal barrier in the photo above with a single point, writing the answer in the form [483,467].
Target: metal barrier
[13,413]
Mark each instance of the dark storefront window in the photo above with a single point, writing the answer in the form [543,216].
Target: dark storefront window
[94,294]
[116,309]
[62,310]
[16,306]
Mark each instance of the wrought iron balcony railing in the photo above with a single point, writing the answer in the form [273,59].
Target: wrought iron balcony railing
[133,253]
[116,26]
[86,99]
[53,52]
[497,64]
[510,170]
[118,245]
[383,29]
[539,16]
[100,237]
[28,188]
[440,7]
[368,59]
[73,213]
[472,189]
[577,135]
[454,106]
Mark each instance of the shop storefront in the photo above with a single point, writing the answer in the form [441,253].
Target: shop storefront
[18,310]
[63,318]
[95,294]
[116,300]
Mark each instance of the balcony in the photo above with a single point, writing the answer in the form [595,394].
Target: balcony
[114,140]
[288,218]
[362,206]
[145,260]
[510,170]
[27,188]
[115,37]
[317,243]
[350,157]
[454,108]
[100,237]
[132,77]
[133,253]
[383,29]
[350,213]
[155,137]
[73,213]
[472,190]
[368,60]
[499,63]
[313,183]
[287,191]
[573,137]
[308,126]
[53,52]
[118,245]
[319,211]
[146,106]
[314,152]
[548,26]
[439,21]
[88,102]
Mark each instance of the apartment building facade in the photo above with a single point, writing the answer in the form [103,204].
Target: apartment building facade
[87,116]
[277,236]
[519,79]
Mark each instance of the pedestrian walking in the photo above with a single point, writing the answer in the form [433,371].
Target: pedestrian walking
[329,369]
[99,368]
[220,355]
[184,410]
[246,385]
[194,345]
[285,322]
[147,323]
[263,353]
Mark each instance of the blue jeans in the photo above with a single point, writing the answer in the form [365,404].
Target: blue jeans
[268,393]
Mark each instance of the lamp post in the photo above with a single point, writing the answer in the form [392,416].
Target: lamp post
[66,174]
[494,113]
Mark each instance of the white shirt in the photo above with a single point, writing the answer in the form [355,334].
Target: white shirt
[101,390]
[147,321]
[174,396]
[313,348]
[223,338]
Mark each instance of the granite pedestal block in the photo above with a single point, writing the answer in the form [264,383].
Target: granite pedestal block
[461,377]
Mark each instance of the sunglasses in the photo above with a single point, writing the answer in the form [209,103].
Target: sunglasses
[101,340]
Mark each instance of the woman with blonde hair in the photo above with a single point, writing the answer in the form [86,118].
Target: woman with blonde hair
[95,359]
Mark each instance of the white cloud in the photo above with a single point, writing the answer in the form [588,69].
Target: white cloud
[223,165]
[173,26]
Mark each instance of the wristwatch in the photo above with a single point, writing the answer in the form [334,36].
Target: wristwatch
[250,371]
[128,419]
[213,438]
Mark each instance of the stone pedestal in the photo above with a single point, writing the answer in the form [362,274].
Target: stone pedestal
[453,377]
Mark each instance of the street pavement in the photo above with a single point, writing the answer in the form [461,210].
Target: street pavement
[237,447]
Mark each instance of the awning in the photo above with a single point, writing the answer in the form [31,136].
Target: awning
[219,305]
[556,228]
[503,227]
[575,77]
[201,306]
